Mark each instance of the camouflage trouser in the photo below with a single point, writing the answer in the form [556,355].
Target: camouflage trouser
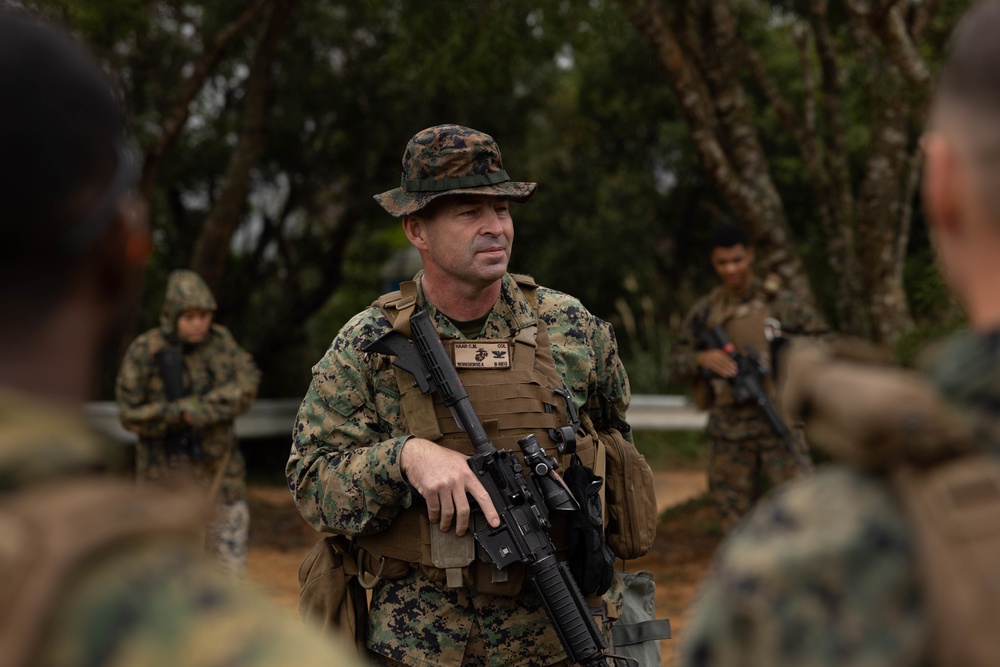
[475,654]
[742,469]
[226,539]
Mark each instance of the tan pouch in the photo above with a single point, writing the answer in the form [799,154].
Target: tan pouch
[702,394]
[330,595]
[955,509]
[630,497]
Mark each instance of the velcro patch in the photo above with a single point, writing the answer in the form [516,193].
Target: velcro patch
[482,355]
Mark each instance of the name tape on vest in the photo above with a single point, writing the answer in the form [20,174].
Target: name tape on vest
[482,355]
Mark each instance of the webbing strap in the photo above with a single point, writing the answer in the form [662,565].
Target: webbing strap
[405,307]
[524,421]
[625,634]
[505,407]
[534,392]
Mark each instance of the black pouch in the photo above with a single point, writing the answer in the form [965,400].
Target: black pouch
[590,559]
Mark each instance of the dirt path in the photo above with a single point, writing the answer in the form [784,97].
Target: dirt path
[280,539]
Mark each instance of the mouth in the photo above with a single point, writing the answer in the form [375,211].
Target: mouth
[492,250]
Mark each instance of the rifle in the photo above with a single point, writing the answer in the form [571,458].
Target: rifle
[522,501]
[747,387]
[184,441]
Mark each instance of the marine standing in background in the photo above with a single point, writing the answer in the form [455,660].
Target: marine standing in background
[94,572]
[887,556]
[179,389]
[374,459]
[746,457]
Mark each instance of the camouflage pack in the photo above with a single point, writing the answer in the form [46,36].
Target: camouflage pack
[897,423]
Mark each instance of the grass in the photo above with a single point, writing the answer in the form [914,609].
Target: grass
[673,449]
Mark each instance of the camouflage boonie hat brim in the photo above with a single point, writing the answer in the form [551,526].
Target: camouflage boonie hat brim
[449,160]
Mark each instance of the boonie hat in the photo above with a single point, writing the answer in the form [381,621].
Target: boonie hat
[448,160]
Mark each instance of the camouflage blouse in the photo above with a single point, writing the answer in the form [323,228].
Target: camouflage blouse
[221,381]
[345,475]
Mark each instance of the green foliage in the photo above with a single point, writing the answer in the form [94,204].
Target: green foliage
[573,95]
[673,449]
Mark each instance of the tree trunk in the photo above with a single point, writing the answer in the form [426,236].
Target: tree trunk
[211,250]
[700,49]
[714,105]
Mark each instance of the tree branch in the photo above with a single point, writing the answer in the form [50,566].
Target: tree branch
[212,248]
[887,22]
[179,112]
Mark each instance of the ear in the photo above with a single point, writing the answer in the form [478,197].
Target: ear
[751,255]
[416,230]
[119,261]
[941,184]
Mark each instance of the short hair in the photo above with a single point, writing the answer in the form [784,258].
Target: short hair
[970,75]
[61,125]
[728,236]
[967,98]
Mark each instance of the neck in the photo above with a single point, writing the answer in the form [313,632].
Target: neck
[980,299]
[460,301]
[51,361]
[738,292]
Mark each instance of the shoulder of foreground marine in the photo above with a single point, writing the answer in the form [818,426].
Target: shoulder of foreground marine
[866,413]
[86,551]
[51,531]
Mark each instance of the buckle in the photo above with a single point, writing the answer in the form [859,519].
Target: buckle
[601,611]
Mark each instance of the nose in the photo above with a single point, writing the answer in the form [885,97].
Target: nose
[491,223]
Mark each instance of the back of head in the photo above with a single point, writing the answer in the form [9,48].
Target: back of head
[970,77]
[60,133]
[967,100]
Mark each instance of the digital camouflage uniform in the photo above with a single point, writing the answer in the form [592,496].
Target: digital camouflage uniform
[222,380]
[148,600]
[745,453]
[824,573]
[344,473]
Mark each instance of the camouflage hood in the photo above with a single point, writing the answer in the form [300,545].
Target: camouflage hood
[185,290]
[449,160]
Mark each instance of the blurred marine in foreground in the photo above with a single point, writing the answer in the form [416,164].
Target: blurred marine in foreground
[889,556]
[92,570]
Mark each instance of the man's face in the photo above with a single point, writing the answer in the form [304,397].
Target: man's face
[193,325]
[734,266]
[467,239]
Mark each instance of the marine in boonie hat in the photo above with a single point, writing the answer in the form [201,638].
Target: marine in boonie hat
[448,160]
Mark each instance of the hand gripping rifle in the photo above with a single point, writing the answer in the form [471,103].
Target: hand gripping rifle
[523,501]
[747,388]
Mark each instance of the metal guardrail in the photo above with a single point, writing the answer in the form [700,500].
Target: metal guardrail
[270,418]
